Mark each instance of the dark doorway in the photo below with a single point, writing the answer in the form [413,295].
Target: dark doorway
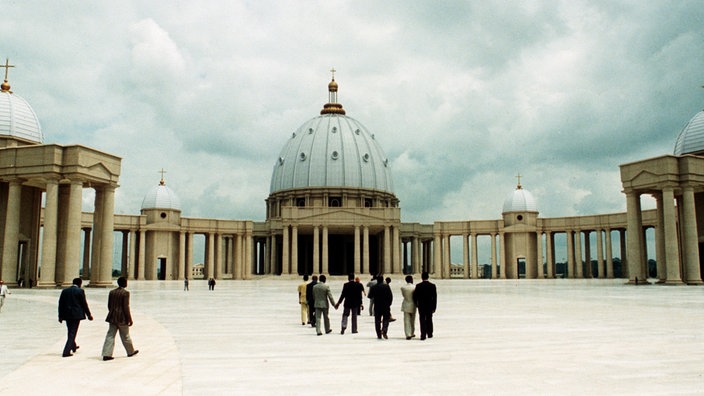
[521,263]
[161,269]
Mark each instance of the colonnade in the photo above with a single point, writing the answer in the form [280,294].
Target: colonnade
[390,257]
[543,265]
[227,255]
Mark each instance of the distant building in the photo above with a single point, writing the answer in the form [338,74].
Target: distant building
[331,209]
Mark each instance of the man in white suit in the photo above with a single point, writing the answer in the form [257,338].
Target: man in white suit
[408,307]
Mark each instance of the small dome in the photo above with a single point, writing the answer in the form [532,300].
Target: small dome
[17,118]
[691,138]
[161,197]
[520,200]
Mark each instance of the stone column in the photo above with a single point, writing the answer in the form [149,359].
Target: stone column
[502,256]
[73,233]
[587,255]
[690,242]
[539,250]
[570,254]
[107,225]
[188,267]
[51,213]
[634,235]
[218,256]
[609,255]
[446,257]
[131,264]
[237,257]
[417,263]
[667,237]
[326,256]
[294,251]
[357,250]
[599,254]
[87,234]
[125,253]
[274,255]
[493,257]
[387,251]
[549,247]
[437,255]
[578,263]
[285,250]
[10,250]
[95,252]
[365,249]
[624,253]
[316,250]
[465,255]
[396,253]
[182,256]
[142,255]
[475,257]
[660,255]
[210,257]
[248,254]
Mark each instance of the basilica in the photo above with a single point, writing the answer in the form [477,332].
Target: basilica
[331,209]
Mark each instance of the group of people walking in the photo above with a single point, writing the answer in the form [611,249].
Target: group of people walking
[315,299]
[73,308]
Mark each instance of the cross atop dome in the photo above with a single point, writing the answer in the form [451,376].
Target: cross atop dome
[162,182]
[5,86]
[332,107]
[518,186]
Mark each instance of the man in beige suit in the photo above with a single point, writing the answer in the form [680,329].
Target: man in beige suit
[120,319]
[408,307]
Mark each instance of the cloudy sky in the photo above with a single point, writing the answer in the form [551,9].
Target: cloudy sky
[461,95]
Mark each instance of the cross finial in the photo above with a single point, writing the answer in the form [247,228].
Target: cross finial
[518,176]
[7,67]
[333,73]
[162,182]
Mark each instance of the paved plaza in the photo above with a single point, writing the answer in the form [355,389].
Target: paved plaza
[534,337]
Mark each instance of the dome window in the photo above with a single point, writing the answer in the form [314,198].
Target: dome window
[334,202]
[163,215]
[373,138]
[302,156]
[386,162]
[356,131]
[281,160]
[300,202]
[334,129]
[519,217]
[365,157]
[293,135]
[335,155]
[310,131]
[368,203]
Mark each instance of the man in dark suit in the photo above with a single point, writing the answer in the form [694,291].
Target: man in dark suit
[73,308]
[311,300]
[352,295]
[120,319]
[383,297]
[426,298]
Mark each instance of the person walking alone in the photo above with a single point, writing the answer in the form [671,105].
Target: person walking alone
[120,319]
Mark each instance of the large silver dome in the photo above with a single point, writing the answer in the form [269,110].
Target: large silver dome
[17,118]
[691,138]
[332,150]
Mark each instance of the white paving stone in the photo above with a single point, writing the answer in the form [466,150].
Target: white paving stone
[554,337]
